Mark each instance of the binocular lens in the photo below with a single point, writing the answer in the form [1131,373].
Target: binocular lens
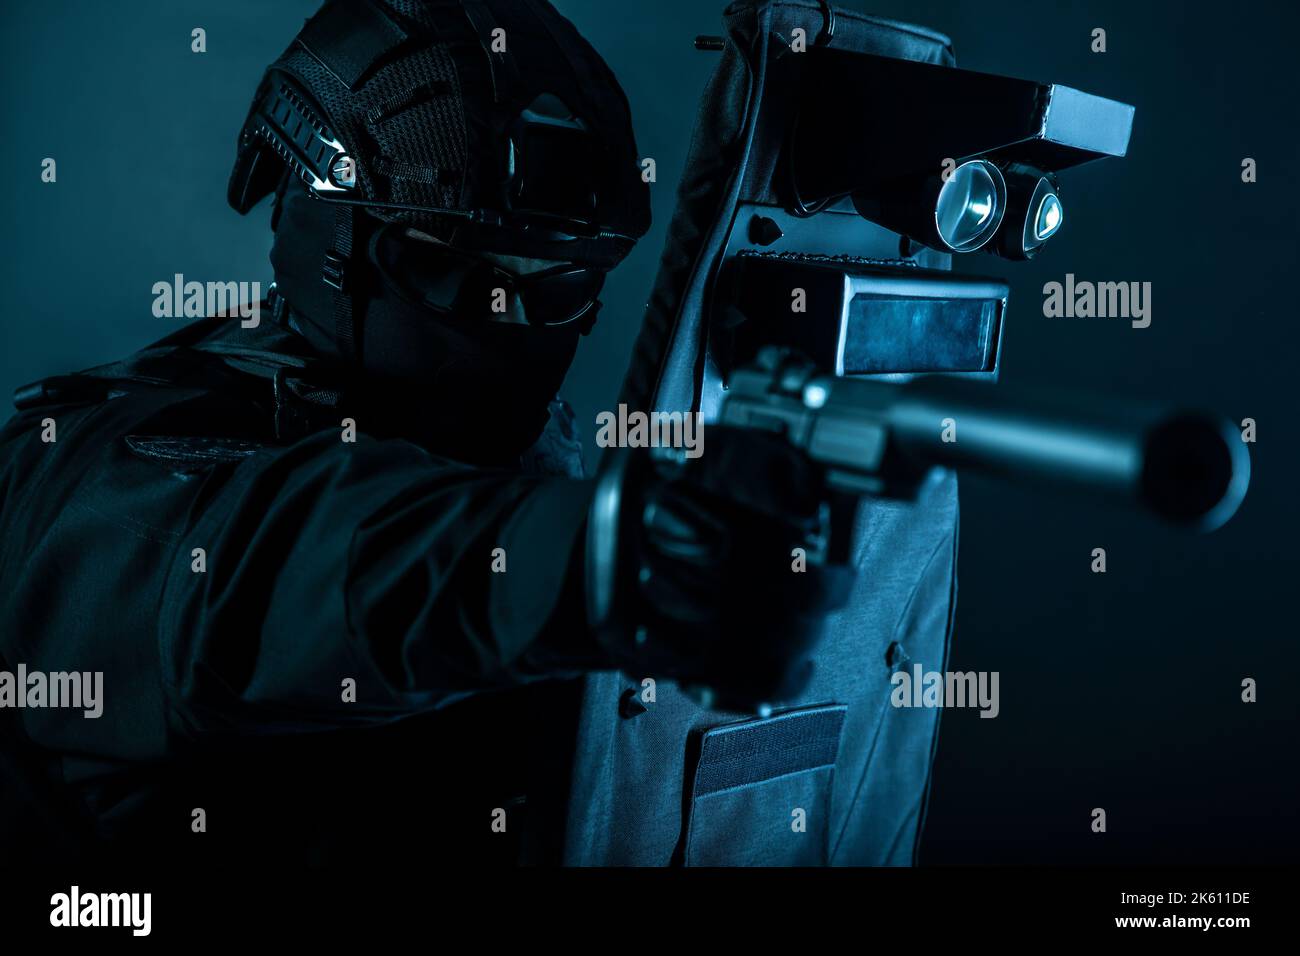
[1049,217]
[970,206]
[1034,213]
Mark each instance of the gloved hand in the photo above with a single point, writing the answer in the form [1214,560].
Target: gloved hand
[708,570]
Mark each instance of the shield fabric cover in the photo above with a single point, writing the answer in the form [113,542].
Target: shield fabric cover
[840,777]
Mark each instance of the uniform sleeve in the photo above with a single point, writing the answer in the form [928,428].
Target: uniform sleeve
[351,583]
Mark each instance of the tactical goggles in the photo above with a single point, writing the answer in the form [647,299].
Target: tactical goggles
[448,281]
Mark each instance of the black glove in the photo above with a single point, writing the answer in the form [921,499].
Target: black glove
[705,567]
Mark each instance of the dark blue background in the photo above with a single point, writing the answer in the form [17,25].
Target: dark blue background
[1120,690]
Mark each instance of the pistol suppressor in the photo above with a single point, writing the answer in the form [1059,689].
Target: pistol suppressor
[881,438]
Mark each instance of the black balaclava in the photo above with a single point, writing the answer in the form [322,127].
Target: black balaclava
[465,386]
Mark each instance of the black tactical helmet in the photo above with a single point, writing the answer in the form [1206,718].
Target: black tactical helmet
[489,124]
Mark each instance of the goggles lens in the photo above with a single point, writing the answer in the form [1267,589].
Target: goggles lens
[448,281]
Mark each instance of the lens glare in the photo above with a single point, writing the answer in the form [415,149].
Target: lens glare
[1048,220]
[970,206]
